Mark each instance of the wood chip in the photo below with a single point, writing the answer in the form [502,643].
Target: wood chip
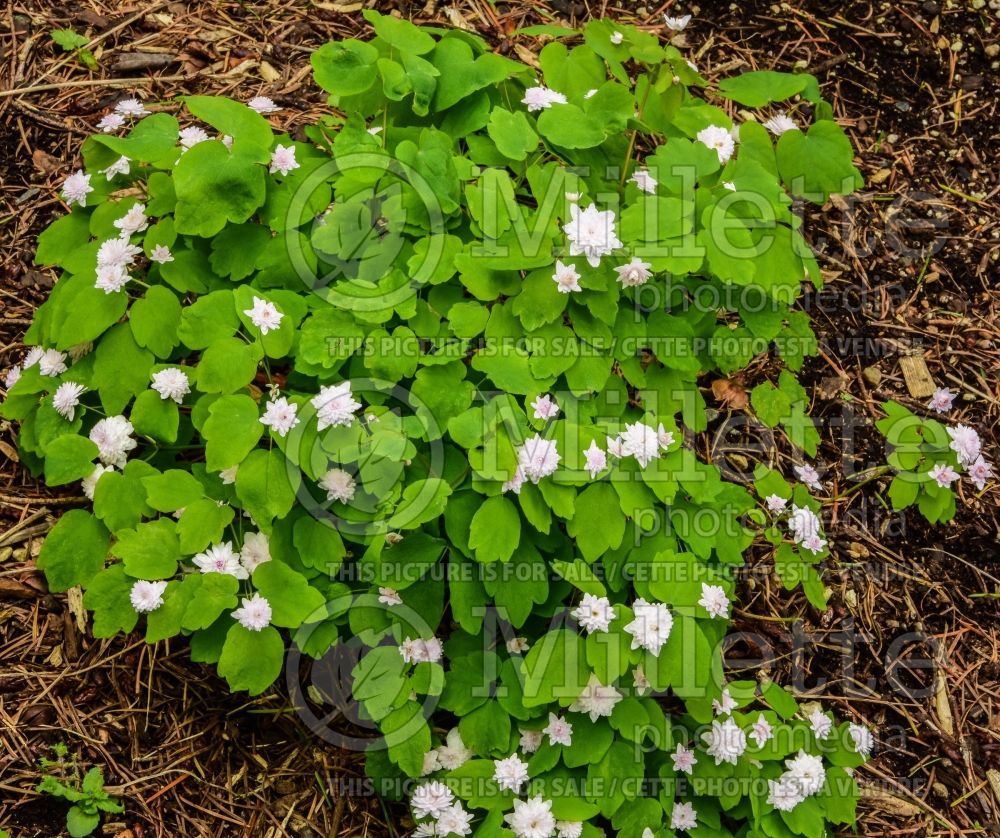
[131,61]
[268,73]
[729,394]
[917,376]
[942,703]
[889,802]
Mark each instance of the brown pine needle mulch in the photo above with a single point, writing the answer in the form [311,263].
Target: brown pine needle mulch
[909,642]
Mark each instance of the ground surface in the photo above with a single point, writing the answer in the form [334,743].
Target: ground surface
[909,642]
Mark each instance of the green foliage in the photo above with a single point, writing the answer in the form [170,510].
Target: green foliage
[385,391]
[61,778]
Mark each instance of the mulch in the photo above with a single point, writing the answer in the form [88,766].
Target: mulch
[909,641]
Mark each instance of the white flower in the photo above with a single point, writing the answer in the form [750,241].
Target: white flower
[117,253]
[677,23]
[453,754]
[683,816]
[375,130]
[719,139]
[813,543]
[335,406]
[66,398]
[421,651]
[89,483]
[454,821]
[862,739]
[714,600]
[635,273]
[724,705]
[596,699]
[942,400]
[559,731]
[52,363]
[545,407]
[808,475]
[780,123]
[761,731]
[728,184]
[510,773]
[264,315]
[431,799]
[616,38]
[807,771]
[979,472]
[432,763]
[113,438]
[161,254]
[651,626]
[283,159]
[134,221]
[517,645]
[111,280]
[256,551]
[569,829]
[221,558]
[726,741]
[532,818]
[227,141]
[573,197]
[664,437]
[644,180]
[389,596]
[684,759]
[131,107]
[171,383]
[591,233]
[110,122]
[566,278]
[784,794]
[538,458]
[119,167]
[76,188]
[692,65]
[803,523]
[263,105]
[531,741]
[590,93]
[338,484]
[966,443]
[642,442]
[147,596]
[254,614]
[775,503]
[33,356]
[538,98]
[594,613]
[12,376]
[192,135]
[597,460]
[228,475]
[616,448]
[426,830]
[820,723]
[944,475]
[280,415]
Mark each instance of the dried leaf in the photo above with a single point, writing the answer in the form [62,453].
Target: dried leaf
[729,394]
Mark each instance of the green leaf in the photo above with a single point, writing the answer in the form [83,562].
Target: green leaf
[555,669]
[598,524]
[69,41]
[150,551]
[78,822]
[203,523]
[344,68]
[227,365]
[512,133]
[815,164]
[208,319]
[770,404]
[231,431]
[154,320]
[209,595]
[408,736]
[249,130]
[422,501]
[172,490]
[319,545]
[121,368]
[251,660]
[764,86]
[108,596]
[292,599]
[215,187]
[399,33]
[152,139]
[569,127]
[74,550]
[120,497]
[486,730]
[266,484]
[495,530]
[67,458]
[155,417]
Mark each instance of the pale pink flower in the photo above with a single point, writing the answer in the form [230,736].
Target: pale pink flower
[76,188]
[597,460]
[283,159]
[942,400]
[545,407]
